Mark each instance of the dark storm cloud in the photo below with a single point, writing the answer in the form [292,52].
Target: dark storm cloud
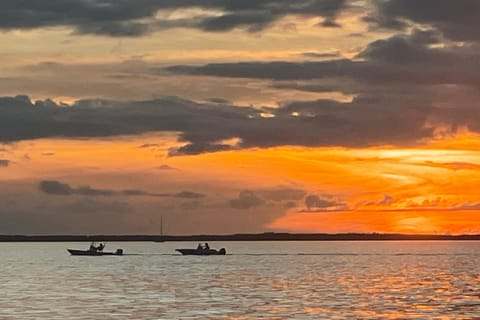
[54,187]
[20,119]
[367,120]
[403,88]
[457,20]
[398,60]
[129,18]
[111,18]
[405,50]
[246,199]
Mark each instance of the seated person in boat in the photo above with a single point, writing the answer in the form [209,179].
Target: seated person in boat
[199,247]
[93,248]
[207,247]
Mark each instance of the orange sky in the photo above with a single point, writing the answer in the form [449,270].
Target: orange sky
[425,189]
[239,116]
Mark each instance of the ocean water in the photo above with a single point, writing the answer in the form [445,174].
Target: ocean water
[255,280]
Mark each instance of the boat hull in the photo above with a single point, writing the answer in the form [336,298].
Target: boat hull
[74,252]
[202,252]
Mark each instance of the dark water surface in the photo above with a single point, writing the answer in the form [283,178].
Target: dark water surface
[256,280]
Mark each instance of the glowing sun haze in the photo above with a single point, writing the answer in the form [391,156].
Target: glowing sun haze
[239,116]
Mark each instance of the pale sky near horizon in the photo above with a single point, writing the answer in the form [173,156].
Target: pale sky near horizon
[226,116]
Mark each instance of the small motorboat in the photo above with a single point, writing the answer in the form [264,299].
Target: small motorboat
[95,251]
[202,251]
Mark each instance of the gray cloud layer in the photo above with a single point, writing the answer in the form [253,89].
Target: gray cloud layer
[457,20]
[129,18]
[398,60]
[370,119]
[316,123]
[403,88]
[54,187]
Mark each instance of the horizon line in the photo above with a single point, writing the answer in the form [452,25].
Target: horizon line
[265,236]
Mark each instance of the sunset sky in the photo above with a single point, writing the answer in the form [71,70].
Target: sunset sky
[232,116]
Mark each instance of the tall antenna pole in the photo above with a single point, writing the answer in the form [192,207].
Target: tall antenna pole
[161,225]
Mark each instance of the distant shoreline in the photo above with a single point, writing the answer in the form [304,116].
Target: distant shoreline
[268,236]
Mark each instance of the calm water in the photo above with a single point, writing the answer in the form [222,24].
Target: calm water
[257,280]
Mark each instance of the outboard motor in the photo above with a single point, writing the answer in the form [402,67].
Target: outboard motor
[119,252]
[222,251]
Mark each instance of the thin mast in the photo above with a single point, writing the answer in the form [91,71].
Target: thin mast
[161,225]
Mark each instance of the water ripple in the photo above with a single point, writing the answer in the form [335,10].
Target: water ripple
[256,281]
